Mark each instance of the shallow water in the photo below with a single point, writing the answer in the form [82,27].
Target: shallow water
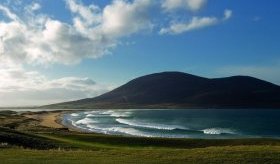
[189,123]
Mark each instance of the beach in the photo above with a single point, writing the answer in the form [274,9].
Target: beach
[47,119]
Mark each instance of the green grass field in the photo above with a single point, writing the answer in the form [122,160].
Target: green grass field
[95,148]
[227,154]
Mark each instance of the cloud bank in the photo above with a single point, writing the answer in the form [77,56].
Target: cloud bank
[19,87]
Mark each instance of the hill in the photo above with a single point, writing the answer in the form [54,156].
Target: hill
[182,90]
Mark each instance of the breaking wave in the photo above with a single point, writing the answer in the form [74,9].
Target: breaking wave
[118,130]
[75,114]
[218,131]
[125,114]
[149,125]
[127,122]
[85,121]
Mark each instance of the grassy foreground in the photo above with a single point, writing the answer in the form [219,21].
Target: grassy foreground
[236,154]
[24,140]
[96,148]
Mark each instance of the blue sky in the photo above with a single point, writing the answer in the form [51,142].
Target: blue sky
[71,49]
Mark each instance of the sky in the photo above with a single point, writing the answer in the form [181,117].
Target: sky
[60,50]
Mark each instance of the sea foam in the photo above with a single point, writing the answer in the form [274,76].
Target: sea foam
[218,131]
[119,114]
[149,125]
[121,130]
[74,114]
[85,121]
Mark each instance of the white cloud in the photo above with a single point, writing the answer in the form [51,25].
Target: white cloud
[227,14]
[8,13]
[122,18]
[35,6]
[194,23]
[44,40]
[19,87]
[193,5]
[89,14]
[94,32]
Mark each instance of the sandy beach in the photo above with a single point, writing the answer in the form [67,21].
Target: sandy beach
[47,119]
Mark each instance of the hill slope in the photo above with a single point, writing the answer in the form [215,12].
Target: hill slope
[181,90]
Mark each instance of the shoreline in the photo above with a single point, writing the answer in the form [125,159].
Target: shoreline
[68,123]
[50,119]
[53,123]
[56,121]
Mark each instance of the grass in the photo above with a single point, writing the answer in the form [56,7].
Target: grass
[140,142]
[97,148]
[227,154]
[15,138]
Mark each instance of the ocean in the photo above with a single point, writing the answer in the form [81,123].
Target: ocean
[179,123]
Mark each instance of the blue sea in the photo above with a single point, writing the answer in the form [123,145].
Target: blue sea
[179,123]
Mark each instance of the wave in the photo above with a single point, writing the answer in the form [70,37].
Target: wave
[113,113]
[129,131]
[91,112]
[85,121]
[77,126]
[75,115]
[149,125]
[86,125]
[112,130]
[89,125]
[121,122]
[90,115]
[132,132]
[108,113]
[218,131]
[118,114]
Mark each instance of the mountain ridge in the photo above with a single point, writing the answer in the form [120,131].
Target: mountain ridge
[182,90]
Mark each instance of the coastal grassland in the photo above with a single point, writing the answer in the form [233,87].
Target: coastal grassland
[224,154]
[25,140]
[88,140]
[72,147]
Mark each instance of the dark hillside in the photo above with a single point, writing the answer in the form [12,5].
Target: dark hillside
[181,90]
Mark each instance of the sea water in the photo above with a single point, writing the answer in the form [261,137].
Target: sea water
[179,123]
